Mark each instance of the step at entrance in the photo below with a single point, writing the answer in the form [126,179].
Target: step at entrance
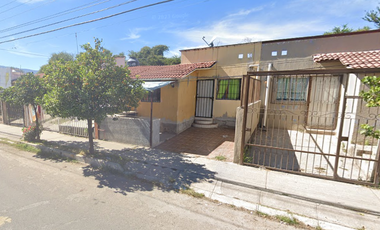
[206,123]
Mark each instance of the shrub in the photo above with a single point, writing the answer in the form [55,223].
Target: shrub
[30,133]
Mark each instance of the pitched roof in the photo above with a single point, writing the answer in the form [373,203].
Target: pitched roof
[167,71]
[353,60]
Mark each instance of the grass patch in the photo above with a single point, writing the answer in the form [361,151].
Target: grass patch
[287,220]
[191,192]
[262,214]
[220,158]
[20,145]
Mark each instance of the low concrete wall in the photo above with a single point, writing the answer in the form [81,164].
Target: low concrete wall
[174,127]
[130,130]
[253,116]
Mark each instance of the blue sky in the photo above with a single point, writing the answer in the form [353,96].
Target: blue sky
[179,24]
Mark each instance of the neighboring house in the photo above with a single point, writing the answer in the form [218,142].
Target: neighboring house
[295,93]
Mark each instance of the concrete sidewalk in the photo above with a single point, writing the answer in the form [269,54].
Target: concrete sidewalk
[317,202]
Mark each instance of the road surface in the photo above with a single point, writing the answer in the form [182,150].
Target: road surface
[38,193]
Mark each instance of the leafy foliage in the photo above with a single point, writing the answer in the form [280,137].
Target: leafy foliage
[154,56]
[90,87]
[27,90]
[373,16]
[61,56]
[345,29]
[372,97]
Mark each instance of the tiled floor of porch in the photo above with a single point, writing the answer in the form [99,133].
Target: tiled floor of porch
[206,142]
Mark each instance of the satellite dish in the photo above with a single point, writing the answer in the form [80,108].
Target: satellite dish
[211,44]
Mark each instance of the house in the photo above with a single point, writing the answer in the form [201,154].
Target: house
[312,113]
[298,99]
[206,85]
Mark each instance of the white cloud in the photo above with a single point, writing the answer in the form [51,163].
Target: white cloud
[245,12]
[297,18]
[134,34]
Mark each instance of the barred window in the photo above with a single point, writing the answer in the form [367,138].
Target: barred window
[156,94]
[228,89]
[291,88]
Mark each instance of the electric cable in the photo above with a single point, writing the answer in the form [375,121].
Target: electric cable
[7,10]
[8,3]
[72,10]
[69,19]
[86,22]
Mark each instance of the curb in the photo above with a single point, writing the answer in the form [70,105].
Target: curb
[168,178]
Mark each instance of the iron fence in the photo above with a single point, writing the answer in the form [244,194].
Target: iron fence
[310,124]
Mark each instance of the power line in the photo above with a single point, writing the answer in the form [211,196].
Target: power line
[80,16]
[8,3]
[15,7]
[112,24]
[15,15]
[74,9]
[86,22]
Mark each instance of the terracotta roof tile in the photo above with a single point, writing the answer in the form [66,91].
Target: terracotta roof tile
[353,60]
[167,71]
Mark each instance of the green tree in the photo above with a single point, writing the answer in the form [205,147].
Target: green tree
[373,16]
[90,87]
[345,29]
[27,90]
[154,56]
[372,97]
[62,56]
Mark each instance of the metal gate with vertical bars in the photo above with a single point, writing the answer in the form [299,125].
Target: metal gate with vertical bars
[205,98]
[312,127]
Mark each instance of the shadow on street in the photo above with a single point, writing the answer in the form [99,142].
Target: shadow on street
[158,169]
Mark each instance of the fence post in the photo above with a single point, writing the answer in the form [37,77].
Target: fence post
[96,130]
[245,111]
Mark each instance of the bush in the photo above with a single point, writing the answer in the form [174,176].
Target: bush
[30,133]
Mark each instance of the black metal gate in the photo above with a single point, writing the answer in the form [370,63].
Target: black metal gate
[15,115]
[205,98]
[310,125]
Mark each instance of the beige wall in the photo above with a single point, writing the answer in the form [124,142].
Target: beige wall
[186,99]
[253,117]
[166,109]
[177,107]
[228,65]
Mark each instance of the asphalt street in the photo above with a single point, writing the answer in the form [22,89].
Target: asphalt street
[37,193]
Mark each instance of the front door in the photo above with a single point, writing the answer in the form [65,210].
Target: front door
[324,102]
[205,98]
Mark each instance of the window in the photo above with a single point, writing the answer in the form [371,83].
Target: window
[240,56]
[284,52]
[249,55]
[156,94]
[228,89]
[291,88]
[274,53]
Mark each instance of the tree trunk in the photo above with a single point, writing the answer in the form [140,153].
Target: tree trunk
[37,122]
[90,137]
